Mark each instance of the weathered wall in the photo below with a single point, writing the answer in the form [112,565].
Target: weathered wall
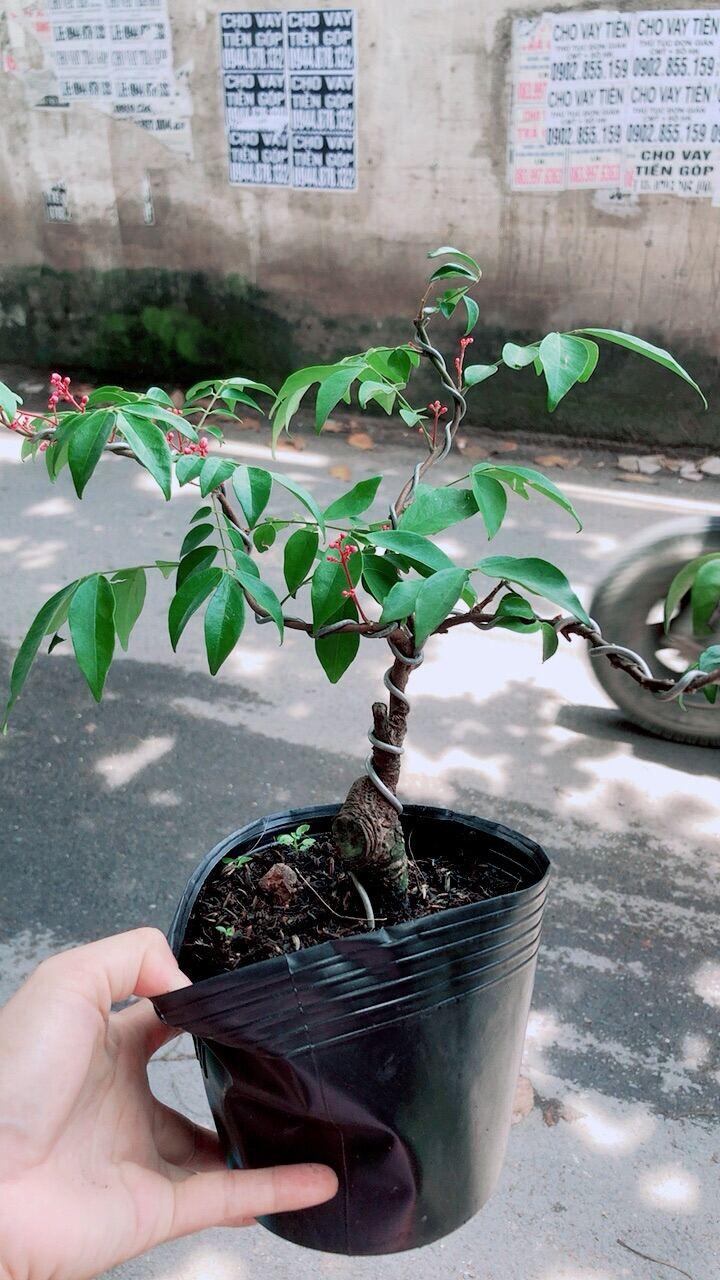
[433,116]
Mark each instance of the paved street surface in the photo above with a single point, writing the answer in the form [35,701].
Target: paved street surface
[107,808]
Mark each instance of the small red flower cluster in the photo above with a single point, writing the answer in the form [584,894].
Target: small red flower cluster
[60,390]
[438,411]
[460,360]
[345,551]
[180,445]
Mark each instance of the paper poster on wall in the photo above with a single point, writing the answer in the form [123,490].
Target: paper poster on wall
[289,90]
[617,101]
[113,55]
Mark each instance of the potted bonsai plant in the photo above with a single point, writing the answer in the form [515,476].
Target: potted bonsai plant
[362,971]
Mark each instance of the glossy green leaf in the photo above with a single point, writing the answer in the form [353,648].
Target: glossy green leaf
[260,591]
[166,567]
[380,392]
[379,575]
[92,630]
[435,599]
[454,271]
[332,390]
[187,600]
[327,586]
[188,467]
[194,562]
[224,620]
[411,417]
[433,510]
[705,596]
[201,514]
[475,373]
[9,402]
[549,640]
[458,256]
[448,301]
[473,313]
[682,582]
[85,446]
[413,547]
[516,357]
[646,349]
[491,500]
[299,557]
[401,599]
[46,620]
[264,536]
[150,447]
[215,471]
[252,487]
[564,360]
[709,660]
[128,587]
[355,501]
[303,496]
[195,535]
[162,417]
[519,479]
[337,651]
[537,576]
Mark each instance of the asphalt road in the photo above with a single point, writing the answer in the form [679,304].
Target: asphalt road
[107,808]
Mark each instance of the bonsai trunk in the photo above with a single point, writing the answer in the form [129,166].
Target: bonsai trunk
[367,833]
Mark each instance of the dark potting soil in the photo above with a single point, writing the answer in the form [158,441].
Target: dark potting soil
[241,917]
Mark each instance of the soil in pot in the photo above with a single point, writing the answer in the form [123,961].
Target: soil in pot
[284,897]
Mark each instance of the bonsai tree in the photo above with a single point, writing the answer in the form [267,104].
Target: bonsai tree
[349,577]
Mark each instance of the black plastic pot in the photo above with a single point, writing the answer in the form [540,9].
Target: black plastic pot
[392,1056]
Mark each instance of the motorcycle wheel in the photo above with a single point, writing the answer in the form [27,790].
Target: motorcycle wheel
[628,605]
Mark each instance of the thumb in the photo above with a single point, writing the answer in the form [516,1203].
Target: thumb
[232,1198]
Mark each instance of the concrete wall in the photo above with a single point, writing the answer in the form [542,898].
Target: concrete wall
[433,114]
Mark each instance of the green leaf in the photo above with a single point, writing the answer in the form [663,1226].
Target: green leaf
[682,582]
[401,599]
[642,348]
[448,301]
[252,487]
[379,575]
[187,600]
[86,444]
[264,536]
[705,596]
[473,313]
[92,629]
[128,587]
[355,501]
[516,357]
[593,351]
[517,478]
[166,567]
[537,576]
[463,258]
[381,392]
[224,619]
[290,395]
[261,592]
[332,390]
[194,536]
[155,413]
[150,448]
[9,402]
[413,547]
[709,660]
[453,271]
[437,596]
[47,619]
[337,651]
[491,500]
[327,586]
[300,551]
[215,471]
[549,640]
[564,360]
[201,513]
[411,417]
[433,510]
[303,496]
[194,562]
[56,640]
[188,467]
[159,396]
[476,373]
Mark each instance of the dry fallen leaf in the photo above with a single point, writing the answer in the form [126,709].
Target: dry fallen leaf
[504,446]
[635,479]
[524,1100]
[291,442]
[335,428]
[563,460]
[340,472]
[476,451]
[361,440]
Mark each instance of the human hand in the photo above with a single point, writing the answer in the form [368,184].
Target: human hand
[93,1169]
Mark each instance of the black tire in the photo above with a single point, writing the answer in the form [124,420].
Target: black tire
[622,605]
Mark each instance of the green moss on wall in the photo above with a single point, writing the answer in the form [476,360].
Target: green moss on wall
[171,325]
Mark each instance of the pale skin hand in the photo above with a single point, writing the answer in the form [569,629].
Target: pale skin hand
[93,1170]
